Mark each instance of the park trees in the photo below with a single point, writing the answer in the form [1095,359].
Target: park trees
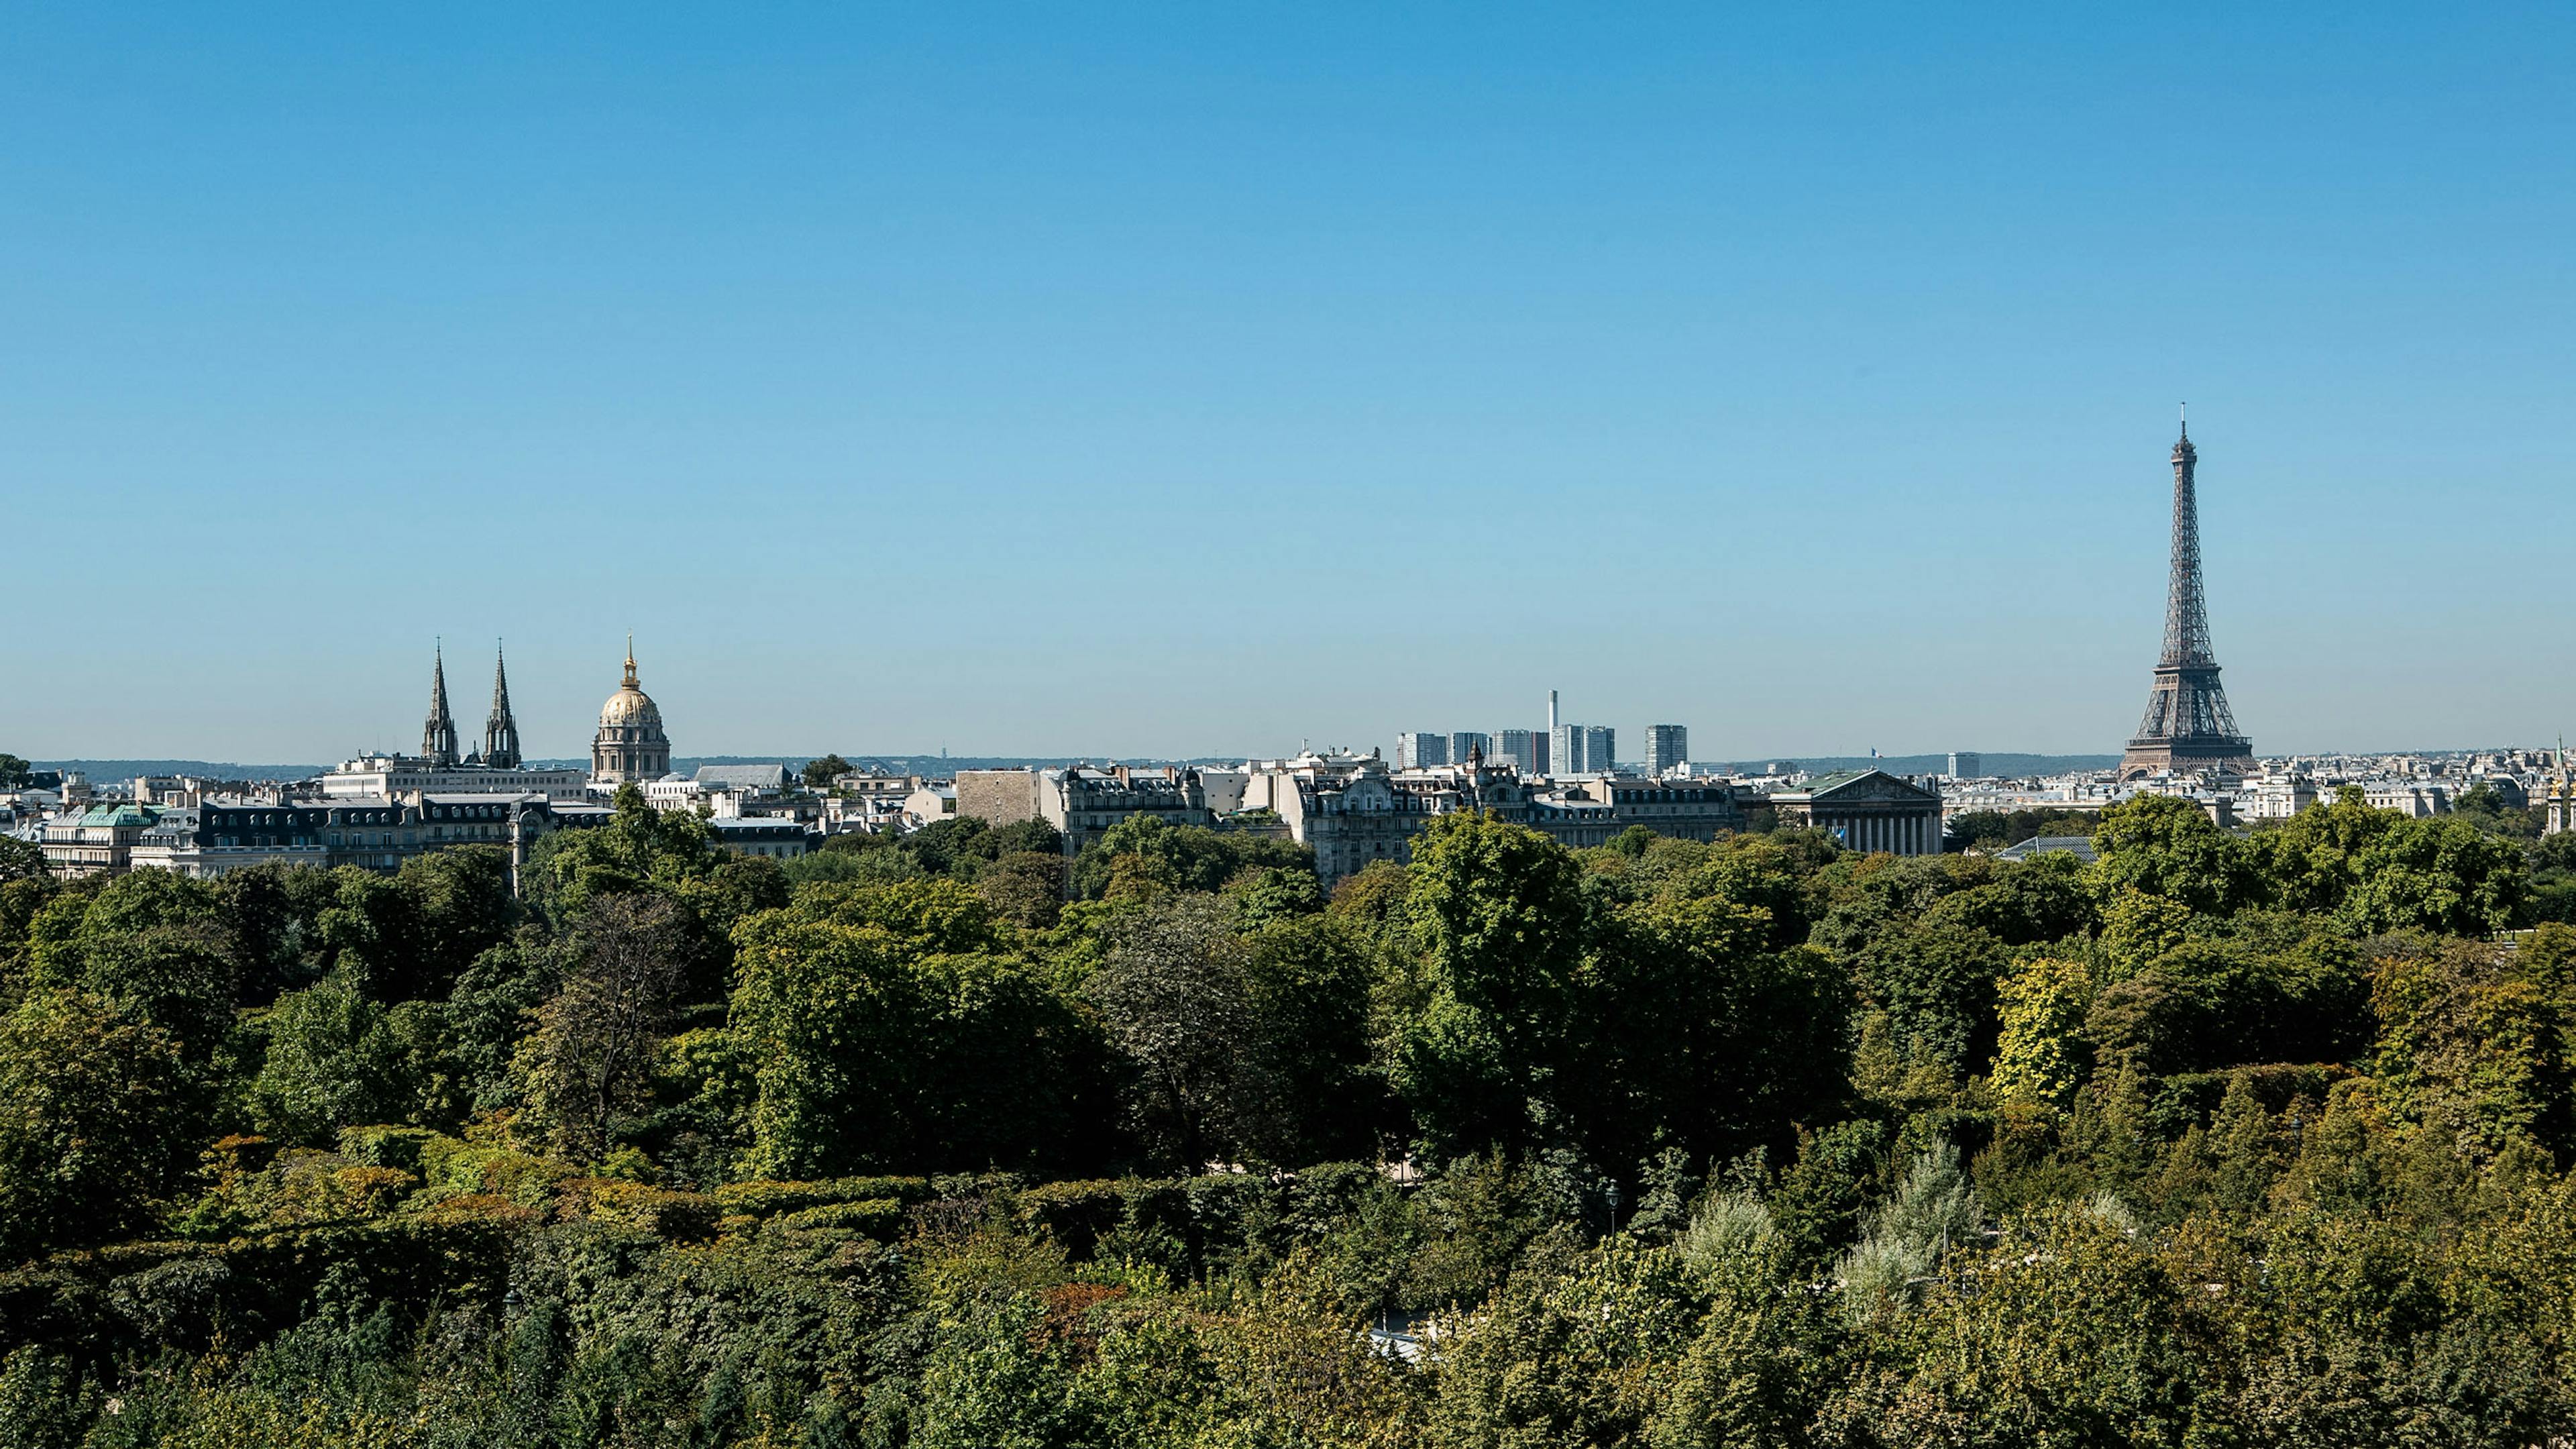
[892,1026]
[99,1113]
[590,1060]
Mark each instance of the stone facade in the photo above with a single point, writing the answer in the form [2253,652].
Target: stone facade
[403,776]
[998,797]
[98,841]
[1085,803]
[1353,811]
[377,834]
[1867,810]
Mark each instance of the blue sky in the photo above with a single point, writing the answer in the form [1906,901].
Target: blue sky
[1165,380]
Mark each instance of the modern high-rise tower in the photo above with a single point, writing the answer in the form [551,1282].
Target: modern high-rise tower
[1667,749]
[2188,725]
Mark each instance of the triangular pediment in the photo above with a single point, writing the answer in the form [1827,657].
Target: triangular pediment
[1874,785]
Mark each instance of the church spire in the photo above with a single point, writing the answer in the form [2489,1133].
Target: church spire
[438,732]
[630,660]
[500,729]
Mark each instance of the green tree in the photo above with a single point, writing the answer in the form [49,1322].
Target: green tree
[1582,1355]
[465,908]
[639,848]
[2042,1055]
[2220,1003]
[98,1116]
[1179,857]
[15,773]
[987,1383]
[1933,1214]
[372,931]
[1308,978]
[821,773]
[2070,1334]
[20,860]
[2030,903]
[1178,1005]
[2165,846]
[1821,1197]
[151,941]
[330,1064]
[1025,887]
[1687,1031]
[2479,1042]
[888,1029]
[1498,920]
[2436,875]
[1765,1359]
[1937,986]
[269,915]
[591,1060]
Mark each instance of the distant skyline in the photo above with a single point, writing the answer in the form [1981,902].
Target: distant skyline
[1157,382]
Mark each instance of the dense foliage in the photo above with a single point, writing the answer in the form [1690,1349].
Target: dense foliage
[945,1141]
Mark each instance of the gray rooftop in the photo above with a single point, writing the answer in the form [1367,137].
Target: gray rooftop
[2079,846]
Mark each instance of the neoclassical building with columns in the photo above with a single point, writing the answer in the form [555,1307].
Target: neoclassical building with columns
[1867,810]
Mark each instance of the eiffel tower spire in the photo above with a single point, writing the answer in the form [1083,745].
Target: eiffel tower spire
[2187,725]
[500,729]
[438,732]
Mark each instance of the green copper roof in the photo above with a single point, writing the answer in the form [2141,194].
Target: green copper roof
[119,812]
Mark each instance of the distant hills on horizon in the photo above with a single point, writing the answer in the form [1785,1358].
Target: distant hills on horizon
[1993,762]
[1996,763]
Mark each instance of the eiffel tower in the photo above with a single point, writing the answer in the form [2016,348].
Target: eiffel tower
[2188,726]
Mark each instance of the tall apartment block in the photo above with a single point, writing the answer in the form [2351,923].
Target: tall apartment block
[1418,749]
[1523,750]
[1581,750]
[1667,749]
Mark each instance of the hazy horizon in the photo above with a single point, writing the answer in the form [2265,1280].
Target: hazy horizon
[1167,381]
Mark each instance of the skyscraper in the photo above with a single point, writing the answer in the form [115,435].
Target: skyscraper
[1667,748]
[1576,749]
[1463,743]
[2187,725]
[1523,750]
[1418,749]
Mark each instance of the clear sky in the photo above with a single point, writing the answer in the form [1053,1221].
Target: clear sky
[1194,380]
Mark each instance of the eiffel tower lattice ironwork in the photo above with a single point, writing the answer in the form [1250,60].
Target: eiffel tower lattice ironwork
[2187,726]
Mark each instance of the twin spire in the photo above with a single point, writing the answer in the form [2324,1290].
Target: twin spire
[500,730]
[438,732]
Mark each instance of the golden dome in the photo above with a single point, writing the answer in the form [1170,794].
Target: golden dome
[630,706]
